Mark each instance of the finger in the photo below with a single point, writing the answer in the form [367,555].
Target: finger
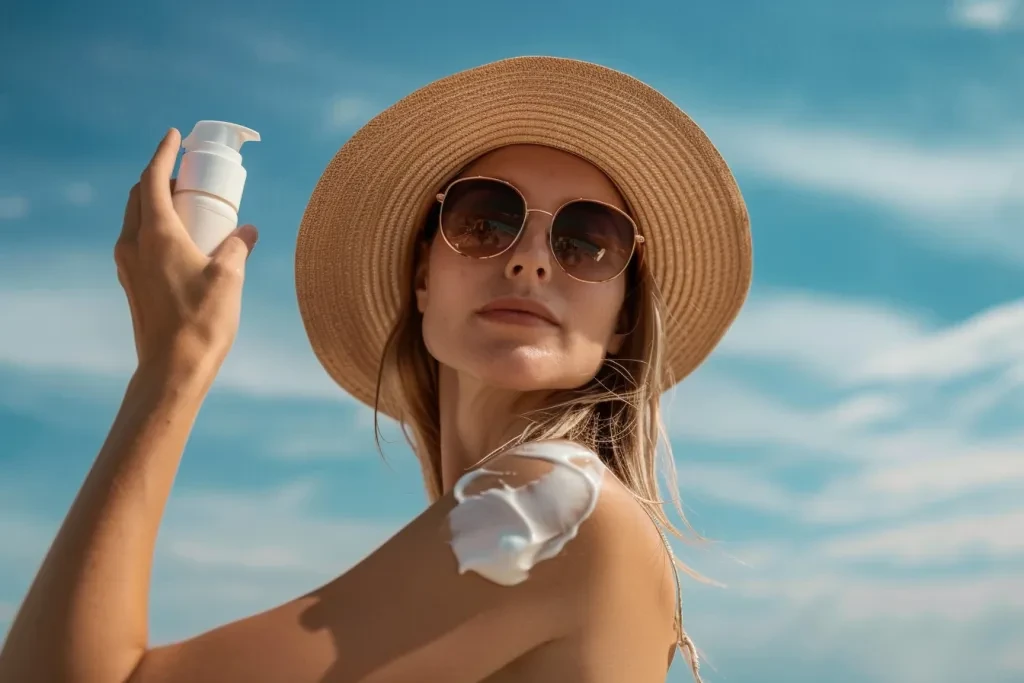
[155,183]
[132,216]
[232,253]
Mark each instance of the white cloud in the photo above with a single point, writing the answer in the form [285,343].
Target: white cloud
[887,489]
[80,193]
[991,339]
[894,630]
[831,337]
[712,407]
[13,207]
[71,316]
[268,46]
[751,488]
[937,541]
[864,410]
[861,598]
[89,332]
[895,397]
[350,112]
[862,492]
[984,14]
[849,342]
[969,198]
[795,607]
[927,182]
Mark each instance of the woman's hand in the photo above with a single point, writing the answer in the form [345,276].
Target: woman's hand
[185,306]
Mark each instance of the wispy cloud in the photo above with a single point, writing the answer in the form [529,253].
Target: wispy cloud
[984,14]
[13,207]
[348,112]
[80,193]
[847,342]
[892,401]
[967,197]
[874,492]
[888,403]
[806,606]
[69,316]
[896,591]
[938,541]
[991,340]
[828,337]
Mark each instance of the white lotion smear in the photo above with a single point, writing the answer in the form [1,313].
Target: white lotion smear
[502,532]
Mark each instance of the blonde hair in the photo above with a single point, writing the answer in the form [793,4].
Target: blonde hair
[617,414]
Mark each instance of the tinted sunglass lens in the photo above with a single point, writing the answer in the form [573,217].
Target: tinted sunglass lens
[481,218]
[591,241]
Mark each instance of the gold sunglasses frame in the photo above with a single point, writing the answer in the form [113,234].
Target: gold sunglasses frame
[637,237]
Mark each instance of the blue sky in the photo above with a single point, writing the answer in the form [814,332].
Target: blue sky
[854,446]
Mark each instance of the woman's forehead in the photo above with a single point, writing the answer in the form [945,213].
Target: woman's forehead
[546,175]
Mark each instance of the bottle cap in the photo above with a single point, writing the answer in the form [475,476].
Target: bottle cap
[212,162]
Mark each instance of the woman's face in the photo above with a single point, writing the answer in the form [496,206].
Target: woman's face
[515,350]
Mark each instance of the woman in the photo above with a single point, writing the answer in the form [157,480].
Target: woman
[515,262]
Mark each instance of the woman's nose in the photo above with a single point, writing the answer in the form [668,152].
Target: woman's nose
[531,255]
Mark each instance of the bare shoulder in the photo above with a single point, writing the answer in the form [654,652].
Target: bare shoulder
[623,581]
[610,531]
[535,503]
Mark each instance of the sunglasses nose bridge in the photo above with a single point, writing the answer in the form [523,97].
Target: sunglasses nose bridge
[549,214]
[531,250]
[524,233]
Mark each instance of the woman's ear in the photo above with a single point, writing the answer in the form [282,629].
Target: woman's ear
[420,274]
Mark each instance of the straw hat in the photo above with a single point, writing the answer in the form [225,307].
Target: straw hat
[355,245]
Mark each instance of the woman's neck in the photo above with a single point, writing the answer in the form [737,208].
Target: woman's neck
[475,420]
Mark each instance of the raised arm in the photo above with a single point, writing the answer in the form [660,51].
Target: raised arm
[85,616]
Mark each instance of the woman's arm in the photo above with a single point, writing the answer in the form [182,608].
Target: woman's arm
[91,593]
[85,616]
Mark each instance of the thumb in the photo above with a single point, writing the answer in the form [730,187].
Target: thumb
[235,249]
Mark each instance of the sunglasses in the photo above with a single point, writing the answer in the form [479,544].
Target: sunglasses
[484,217]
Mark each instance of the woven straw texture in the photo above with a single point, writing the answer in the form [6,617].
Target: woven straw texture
[354,252]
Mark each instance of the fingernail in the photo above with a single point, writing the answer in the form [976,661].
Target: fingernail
[250,230]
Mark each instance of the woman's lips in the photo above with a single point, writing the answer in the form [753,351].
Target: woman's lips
[518,311]
[515,317]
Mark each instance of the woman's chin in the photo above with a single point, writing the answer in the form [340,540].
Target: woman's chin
[523,372]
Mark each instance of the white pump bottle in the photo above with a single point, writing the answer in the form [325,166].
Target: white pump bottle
[210,181]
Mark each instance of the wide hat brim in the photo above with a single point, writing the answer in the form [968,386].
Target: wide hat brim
[353,257]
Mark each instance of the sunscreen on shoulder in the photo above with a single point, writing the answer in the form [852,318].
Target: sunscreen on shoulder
[501,530]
